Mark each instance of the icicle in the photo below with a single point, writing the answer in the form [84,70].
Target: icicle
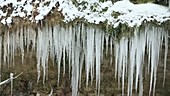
[5,44]
[121,60]
[21,44]
[107,42]
[169,4]
[156,38]
[28,38]
[82,56]
[39,54]
[165,55]
[69,48]
[99,40]
[124,63]
[8,48]
[89,54]
[111,52]
[116,50]
[131,68]
[102,48]
[75,71]
[65,47]
[140,51]
[44,52]
[141,82]
[58,48]
[13,48]
[73,56]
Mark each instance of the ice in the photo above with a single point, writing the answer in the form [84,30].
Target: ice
[122,61]
[39,54]
[140,50]
[75,71]
[147,39]
[12,58]
[83,45]
[21,43]
[169,4]
[111,50]
[165,56]
[5,43]
[90,53]
[98,47]
[116,51]
[107,43]
[69,47]
[44,52]
[64,50]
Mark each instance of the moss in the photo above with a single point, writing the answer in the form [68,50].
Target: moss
[115,14]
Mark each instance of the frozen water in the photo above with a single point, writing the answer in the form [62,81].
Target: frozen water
[149,38]
[90,53]
[83,45]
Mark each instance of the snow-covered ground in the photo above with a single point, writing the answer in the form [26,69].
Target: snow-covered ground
[92,11]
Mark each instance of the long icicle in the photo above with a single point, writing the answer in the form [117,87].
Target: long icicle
[165,56]
[98,47]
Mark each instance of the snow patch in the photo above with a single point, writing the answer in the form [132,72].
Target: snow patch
[93,11]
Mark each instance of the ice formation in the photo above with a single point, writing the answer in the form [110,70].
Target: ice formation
[150,38]
[83,45]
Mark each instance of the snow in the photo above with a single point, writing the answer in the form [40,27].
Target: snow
[3,21]
[129,13]
[9,20]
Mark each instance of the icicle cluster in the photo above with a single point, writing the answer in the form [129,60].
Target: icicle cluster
[82,45]
[130,53]
[78,44]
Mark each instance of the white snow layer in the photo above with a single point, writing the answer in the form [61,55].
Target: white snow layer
[80,44]
[93,11]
